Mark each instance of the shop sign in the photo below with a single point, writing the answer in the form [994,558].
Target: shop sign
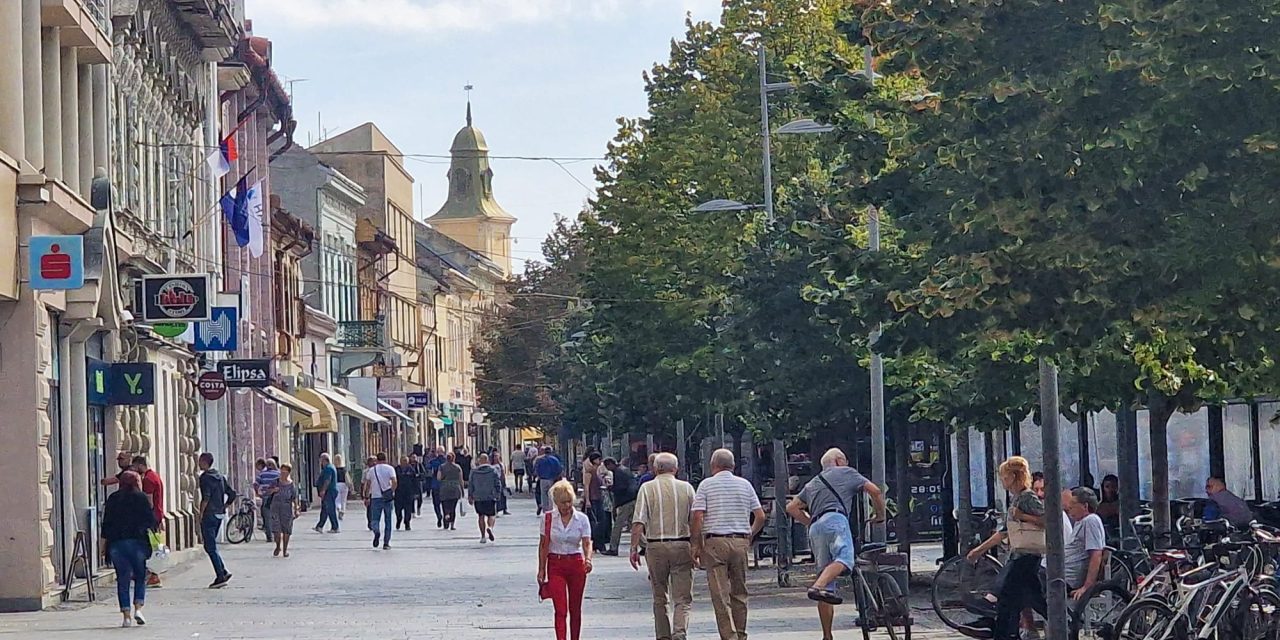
[246,373]
[417,399]
[220,332]
[98,372]
[56,262]
[211,385]
[131,383]
[175,298]
[395,399]
[169,329]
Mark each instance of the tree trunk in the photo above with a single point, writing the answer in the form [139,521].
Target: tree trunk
[1160,410]
[964,491]
[902,489]
[1127,463]
[1056,623]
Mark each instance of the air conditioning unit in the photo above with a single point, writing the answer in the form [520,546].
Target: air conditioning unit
[290,383]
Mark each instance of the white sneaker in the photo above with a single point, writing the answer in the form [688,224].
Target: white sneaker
[127,622]
[137,617]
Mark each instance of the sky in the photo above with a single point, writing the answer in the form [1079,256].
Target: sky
[550,78]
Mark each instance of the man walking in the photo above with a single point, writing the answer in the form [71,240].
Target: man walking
[661,519]
[380,496]
[424,482]
[327,489]
[485,491]
[433,481]
[593,502]
[264,483]
[825,505]
[549,471]
[722,528]
[153,488]
[215,496]
[624,502]
[517,467]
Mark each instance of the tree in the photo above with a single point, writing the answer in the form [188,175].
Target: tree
[1076,194]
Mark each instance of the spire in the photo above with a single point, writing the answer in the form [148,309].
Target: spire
[468,112]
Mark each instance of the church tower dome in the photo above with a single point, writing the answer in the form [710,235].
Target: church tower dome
[471,215]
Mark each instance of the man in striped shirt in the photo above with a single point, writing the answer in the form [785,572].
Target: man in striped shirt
[722,527]
[662,516]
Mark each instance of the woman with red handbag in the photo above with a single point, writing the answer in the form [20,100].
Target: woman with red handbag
[564,559]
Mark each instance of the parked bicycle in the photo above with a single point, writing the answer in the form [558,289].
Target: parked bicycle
[241,523]
[881,601]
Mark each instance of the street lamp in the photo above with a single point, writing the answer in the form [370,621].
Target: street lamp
[720,204]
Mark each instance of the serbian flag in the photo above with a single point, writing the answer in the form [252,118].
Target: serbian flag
[222,157]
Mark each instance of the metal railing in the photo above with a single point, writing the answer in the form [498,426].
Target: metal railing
[357,334]
[100,10]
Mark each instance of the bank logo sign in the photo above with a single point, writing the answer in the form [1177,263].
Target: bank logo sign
[56,262]
[175,298]
[246,373]
[219,332]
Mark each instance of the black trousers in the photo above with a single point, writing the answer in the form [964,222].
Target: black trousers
[450,508]
[1022,589]
[404,510]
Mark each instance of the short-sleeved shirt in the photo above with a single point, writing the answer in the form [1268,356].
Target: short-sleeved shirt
[663,507]
[727,502]
[517,460]
[266,481]
[820,500]
[153,487]
[328,479]
[1232,507]
[381,480]
[548,468]
[566,540]
[1086,536]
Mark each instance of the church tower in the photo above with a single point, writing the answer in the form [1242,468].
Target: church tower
[471,215]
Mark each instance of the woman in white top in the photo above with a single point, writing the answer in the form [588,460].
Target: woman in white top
[564,558]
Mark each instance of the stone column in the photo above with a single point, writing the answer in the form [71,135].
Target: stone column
[84,113]
[51,72]
[12,138]
[101,117]
[70,119]
[32,81]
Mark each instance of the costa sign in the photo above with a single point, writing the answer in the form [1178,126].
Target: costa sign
[211,385]
[175,298]
[246,373]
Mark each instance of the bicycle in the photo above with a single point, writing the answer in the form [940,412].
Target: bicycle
[881,601]
[241,523]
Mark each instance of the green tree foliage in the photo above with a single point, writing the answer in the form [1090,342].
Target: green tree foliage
[1093,181]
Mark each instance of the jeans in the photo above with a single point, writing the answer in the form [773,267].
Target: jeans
[129,557]
[381,509]
[329,511]
[601,525]
[209,528]
[1021,590]
[831,541]
[264,512]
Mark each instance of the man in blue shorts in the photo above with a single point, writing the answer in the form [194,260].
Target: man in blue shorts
[825,505]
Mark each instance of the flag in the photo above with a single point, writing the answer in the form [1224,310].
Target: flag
[254,211]
[222,157]
[235,211]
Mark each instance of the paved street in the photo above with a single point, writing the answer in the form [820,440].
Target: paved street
[430,585]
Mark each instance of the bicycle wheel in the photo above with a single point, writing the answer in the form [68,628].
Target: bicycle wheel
[1148,620]
[240,527]
[1258,616]
[1119,572]
[959,594]
[1094,615]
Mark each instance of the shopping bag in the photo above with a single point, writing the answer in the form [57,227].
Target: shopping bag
[160,561]
[156,539]
[462,505]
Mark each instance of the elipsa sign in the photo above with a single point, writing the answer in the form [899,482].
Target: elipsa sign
[175,298]
[246,373]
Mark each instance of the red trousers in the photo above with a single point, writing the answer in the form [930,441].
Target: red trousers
[567,576]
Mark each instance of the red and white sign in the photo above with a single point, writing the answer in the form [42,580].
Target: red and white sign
[212,385]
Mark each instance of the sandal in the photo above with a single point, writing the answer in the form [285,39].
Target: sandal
[825,595]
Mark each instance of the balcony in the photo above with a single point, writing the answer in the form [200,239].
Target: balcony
[362,334]
[84,24]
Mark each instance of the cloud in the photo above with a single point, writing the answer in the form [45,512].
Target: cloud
[445,16]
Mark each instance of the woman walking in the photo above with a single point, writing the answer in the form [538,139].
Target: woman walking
[407,483]
[1020,588]
[564,558]
[450,478]
[284,508]
[495,460]
[126,520]
[340,465]
[485,490]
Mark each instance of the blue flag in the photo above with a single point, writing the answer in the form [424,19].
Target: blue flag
[236,211]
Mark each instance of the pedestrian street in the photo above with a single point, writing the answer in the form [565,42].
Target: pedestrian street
[431,584]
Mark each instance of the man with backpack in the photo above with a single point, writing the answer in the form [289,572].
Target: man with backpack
[215,496]
[826,505]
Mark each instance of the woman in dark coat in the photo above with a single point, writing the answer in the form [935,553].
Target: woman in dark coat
[451,484]
[408,483]
[127,519]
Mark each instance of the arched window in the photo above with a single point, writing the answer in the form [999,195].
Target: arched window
[461,181]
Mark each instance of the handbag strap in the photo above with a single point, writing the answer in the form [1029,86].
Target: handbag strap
[546,529]
[839,500]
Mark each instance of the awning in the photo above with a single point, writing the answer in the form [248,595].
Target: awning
[347,403]
[325,419]
[295,404]
[437,423]
[390,408]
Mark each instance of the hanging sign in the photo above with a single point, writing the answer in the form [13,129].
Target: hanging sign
[220,332]
[131,383]
[246,373]
[96,390]
[417,399]
[211,385]
[56,262]
[169,329]
[175,298]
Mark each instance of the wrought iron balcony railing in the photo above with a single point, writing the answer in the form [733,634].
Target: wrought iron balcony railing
[362,334]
